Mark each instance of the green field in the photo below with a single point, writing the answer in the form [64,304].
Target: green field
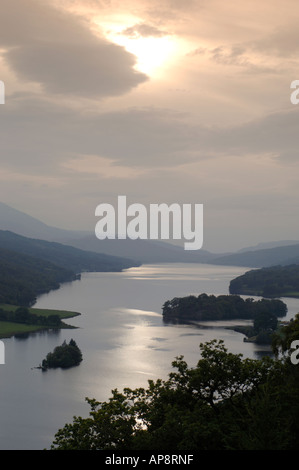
[8,329]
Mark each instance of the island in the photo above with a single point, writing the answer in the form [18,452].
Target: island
[275,281]
[64,356]
[264,313]
[223,307]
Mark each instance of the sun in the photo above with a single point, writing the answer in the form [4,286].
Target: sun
[153,53]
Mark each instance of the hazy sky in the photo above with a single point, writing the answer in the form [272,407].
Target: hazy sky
[161,101]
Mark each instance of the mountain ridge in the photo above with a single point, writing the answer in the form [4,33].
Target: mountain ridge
[147,251]
[282,255]
[62,255]
[139,251]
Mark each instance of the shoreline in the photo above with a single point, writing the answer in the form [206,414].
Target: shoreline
[11,329]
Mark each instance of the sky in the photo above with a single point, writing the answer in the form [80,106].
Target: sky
[165,101]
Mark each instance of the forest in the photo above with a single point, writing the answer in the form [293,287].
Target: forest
[23,277]
[275,281]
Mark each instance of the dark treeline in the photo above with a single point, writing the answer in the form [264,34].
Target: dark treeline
[23,278]
[276,281]
[222,307]
[24,316]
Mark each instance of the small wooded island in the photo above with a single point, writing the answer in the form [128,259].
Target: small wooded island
[263,312]
[64,356]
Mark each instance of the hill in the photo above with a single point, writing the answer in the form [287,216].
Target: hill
[282,255]
[146,251]
[140,251]
[276,281]
[62,255]
[266,245]
[18,222]
[23,277]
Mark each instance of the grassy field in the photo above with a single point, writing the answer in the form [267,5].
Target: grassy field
[8,329]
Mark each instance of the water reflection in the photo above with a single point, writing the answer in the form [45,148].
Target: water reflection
[41,333]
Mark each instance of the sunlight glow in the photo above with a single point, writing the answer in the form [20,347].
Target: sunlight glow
[152,53]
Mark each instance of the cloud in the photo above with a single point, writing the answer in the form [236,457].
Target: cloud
[49,133]
[281,42]
[96,70]
[96,166]
[143,30]
[230,142]
[56,50]
[134,140]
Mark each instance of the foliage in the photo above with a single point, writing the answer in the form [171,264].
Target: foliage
[225,402]
[285,335]
[223,307]
[64,356]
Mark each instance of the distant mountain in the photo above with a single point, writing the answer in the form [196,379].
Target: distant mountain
[266,245]
[146,251]
[62,255]
[282,255]
[18,222]
[140,251]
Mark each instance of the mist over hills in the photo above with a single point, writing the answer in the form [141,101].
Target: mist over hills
[32,266]
[23,224]
[262,258]
[144,251]
[266,245]
[139,251]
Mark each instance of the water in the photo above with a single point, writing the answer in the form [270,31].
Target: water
[123,340]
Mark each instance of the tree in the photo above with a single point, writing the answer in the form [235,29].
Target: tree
[21,315]
[285,335]
[201,408]
[265,321]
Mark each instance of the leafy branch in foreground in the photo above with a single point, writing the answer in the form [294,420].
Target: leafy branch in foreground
[225,402]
